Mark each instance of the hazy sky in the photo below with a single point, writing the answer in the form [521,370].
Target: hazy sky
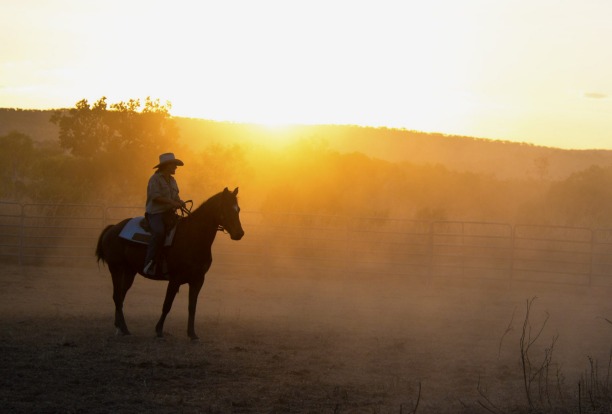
[537,71]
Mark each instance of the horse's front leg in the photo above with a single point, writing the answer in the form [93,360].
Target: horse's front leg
[171,291]
[194,291]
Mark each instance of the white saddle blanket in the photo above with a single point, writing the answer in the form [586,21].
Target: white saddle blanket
[133,231]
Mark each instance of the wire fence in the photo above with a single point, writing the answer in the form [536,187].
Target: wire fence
[61,234]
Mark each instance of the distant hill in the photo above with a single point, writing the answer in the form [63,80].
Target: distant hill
[502,159]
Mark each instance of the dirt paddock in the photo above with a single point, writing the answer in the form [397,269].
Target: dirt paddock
[293,343]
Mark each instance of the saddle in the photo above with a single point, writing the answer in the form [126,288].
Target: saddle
[137,230]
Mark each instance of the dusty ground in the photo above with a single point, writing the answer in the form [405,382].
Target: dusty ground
[283,344]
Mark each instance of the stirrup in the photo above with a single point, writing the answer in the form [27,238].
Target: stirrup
[149,269]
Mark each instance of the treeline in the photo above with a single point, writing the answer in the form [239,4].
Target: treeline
[104,153]
[502,159]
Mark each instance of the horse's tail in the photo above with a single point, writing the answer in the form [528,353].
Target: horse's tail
[99,251]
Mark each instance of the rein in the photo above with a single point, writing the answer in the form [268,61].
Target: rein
[186,211]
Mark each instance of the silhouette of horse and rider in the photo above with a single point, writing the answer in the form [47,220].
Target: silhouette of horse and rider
[185,261]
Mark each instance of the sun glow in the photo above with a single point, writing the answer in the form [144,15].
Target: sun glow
[276,134]
[473,68]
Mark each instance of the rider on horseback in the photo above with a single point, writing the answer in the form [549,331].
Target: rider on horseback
[162,202]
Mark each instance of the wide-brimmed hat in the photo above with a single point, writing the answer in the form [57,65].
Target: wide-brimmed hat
[168,158]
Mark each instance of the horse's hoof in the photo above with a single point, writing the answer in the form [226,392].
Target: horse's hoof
[121,332]
[194,338]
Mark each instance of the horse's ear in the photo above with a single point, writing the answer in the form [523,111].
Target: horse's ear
[235,191]
[225,190]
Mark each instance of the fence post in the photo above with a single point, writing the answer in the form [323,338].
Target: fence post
[463,252]
[431,251]
[21,233]
[348,232]
[592,256]
[512,252]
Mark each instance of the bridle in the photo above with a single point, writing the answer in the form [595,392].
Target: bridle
[220,227]
[222,218]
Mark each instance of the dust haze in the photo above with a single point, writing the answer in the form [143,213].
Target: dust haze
[288,339]
[332,302]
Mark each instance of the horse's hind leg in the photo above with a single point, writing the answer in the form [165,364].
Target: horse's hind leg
[122,281]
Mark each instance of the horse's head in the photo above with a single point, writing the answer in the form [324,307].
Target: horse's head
[229,214]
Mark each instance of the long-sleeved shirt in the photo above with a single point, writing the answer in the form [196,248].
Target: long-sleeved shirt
[159,186]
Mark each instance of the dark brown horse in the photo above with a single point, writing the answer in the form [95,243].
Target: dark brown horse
[188,258]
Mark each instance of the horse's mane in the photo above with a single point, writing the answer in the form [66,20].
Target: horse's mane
[208,202]
[207,205]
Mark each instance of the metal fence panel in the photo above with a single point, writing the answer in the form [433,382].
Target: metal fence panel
[553,254]
[472,249]
[601,268]
[335,245]
[11,227]
[59,233]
